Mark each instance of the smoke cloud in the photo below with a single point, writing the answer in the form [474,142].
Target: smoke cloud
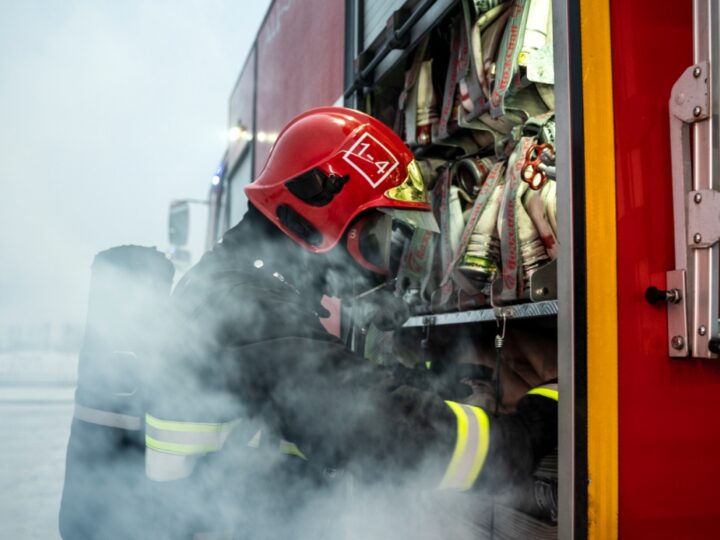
[108,112]
[358,478]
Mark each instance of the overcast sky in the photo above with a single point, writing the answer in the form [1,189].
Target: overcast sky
[108,109]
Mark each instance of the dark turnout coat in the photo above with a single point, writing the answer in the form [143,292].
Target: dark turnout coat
[295,412]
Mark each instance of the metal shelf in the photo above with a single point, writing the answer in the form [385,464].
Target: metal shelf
[546,308]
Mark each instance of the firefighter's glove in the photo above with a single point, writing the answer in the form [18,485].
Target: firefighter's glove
[445,384]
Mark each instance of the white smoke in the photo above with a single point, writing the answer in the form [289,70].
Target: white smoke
[108,111]
[262,493]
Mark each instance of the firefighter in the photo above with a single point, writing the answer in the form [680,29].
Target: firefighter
[258,406]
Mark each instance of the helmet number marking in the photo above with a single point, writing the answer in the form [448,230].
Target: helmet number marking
[371,159]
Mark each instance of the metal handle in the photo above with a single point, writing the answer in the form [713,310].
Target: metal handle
[654,295]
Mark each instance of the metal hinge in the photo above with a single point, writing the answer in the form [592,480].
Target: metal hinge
[703,218]
[692,319]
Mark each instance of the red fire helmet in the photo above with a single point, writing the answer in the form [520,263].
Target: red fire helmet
[330,164]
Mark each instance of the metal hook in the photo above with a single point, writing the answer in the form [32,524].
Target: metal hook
[425,342]
[500,338]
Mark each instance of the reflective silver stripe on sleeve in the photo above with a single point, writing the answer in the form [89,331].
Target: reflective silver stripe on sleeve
[106,418]
[172,447]
[164,467]
[471,447]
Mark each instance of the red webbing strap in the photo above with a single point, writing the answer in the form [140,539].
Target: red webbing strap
[534,203]
[411,76]
[492,25]
[457,66]
[416,263]
[424,258]
[441,195]
[535,206]
[474,75]
[491,181]
[513,284]
[508,56]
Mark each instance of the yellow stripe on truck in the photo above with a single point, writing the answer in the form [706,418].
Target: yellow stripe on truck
[601,270]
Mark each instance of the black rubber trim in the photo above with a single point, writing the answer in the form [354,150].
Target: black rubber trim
[579,250]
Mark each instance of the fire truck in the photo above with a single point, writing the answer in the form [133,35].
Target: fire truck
[632,290]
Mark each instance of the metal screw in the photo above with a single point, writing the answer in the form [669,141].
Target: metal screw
[677,343]
[697,198]
[702,330]
[697,72]
[697,111]
[539,292]
[697,238]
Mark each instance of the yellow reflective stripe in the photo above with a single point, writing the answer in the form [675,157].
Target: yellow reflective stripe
[178,448]
[483,446]
[546,392]
[186,438]
[188,427]
[471,447]
[460,443]
[291,449]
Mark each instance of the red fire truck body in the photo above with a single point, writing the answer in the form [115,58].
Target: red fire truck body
[638,401]
[668,472]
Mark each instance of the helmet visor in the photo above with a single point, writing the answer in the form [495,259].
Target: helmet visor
[369,240]
[376,241]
